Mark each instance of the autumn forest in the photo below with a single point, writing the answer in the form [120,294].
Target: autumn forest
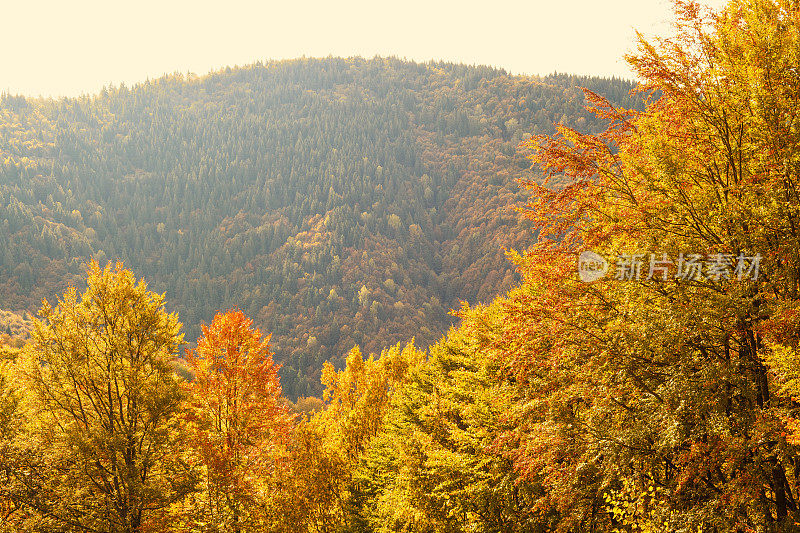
[374,295]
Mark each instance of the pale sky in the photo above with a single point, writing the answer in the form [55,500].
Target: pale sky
[60,48]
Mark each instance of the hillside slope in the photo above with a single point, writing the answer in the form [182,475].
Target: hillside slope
[336,201]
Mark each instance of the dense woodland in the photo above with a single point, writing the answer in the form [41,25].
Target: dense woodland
[653,403]
[336,201]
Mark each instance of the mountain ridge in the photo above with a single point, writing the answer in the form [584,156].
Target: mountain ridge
[336,201]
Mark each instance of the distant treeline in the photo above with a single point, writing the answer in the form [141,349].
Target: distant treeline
[336,201]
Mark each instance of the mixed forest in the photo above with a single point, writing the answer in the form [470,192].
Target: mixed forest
[658,402]
[335,201]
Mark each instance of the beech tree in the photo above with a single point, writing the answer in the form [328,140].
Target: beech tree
[100,434]
[235,418]
[667,386]
[320,486]
[434,467]
[10,395]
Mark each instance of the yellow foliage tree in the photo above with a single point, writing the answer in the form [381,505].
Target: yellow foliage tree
[99,446]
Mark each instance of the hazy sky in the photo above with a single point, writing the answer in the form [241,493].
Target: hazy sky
[68,48]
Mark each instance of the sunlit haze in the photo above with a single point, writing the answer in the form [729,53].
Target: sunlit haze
[56,48]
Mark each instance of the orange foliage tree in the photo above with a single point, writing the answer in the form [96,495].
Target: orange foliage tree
[668,389]
[236,418]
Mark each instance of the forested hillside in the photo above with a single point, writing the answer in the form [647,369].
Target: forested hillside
[335,201]
[660,396]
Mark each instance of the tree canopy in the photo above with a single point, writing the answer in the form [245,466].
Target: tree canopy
[642,376]
[334,201]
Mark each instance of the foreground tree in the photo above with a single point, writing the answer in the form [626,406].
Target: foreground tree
[668,384]
[97,452]
[434,467]
[320,486]
[236,419]
[11,510]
